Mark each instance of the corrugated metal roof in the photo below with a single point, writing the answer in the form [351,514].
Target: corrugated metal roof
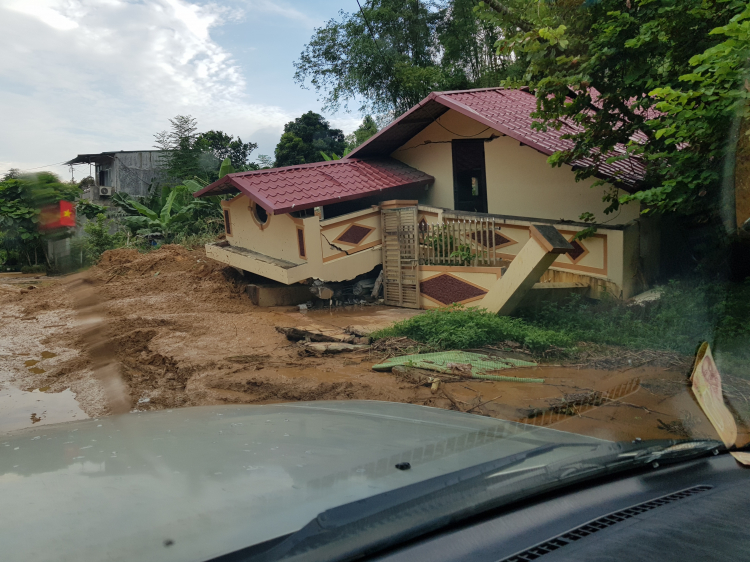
[507,111]
[102,156]
[294,188]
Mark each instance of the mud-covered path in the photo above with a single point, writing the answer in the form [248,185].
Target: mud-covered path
[179,331]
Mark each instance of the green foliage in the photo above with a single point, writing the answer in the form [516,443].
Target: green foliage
[223,146]
[174,212]
[21,198]
[305,138]
[97,238]
[393,53]
[181,155]
[226,168]
[85,208]
[464,253]
[605,64]
[34,269]
[367,129]
[698,115]
[190,155]
[686,314]
[456,327]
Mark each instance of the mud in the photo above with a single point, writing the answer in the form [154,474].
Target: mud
[179,330]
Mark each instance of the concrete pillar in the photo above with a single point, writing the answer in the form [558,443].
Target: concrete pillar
[543,247]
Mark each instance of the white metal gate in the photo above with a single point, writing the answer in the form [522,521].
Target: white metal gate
[400,257]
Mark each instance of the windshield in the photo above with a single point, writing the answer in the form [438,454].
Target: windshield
[455,233]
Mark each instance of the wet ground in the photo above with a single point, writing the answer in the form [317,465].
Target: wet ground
[176,329]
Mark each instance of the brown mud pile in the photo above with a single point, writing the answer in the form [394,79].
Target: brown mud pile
[180,331]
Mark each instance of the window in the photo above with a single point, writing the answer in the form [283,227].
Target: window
[227,222]
[104,178]
[469,179]
[260,214]
[301,242]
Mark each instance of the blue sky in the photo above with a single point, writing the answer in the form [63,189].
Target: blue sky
[80,76]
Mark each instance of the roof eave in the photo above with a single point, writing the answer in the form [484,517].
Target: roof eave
[414,184]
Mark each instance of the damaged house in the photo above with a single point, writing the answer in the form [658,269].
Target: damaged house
[445,198]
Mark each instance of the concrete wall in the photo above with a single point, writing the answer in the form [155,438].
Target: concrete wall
[276,238]
[329,254]
[520,182]
[130,172]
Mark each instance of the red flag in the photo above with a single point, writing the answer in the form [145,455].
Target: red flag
[59,215]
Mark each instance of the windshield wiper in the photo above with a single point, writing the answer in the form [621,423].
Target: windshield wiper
[372,524]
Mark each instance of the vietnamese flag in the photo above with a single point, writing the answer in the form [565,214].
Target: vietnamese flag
[59,215]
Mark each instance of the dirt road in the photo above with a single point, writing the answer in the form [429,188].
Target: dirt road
[180,331]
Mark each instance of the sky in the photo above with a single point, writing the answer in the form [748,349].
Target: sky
[87,76]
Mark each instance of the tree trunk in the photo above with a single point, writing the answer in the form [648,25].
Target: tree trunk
[742,175]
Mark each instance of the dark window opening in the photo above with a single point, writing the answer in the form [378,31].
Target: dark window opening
[469,178]
[104,178]
[301,242]
[304,213]
[260,214]
[227,223]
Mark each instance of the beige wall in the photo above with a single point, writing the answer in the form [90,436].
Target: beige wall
[277,238]
[520,182]
[326,257]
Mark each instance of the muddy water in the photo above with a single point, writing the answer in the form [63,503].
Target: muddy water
[650,403]
[19,409]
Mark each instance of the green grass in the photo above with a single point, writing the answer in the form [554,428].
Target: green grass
[456,327]
[687,314]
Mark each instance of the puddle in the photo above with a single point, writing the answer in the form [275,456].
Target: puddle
[48,355]
[30,362]
[19,409]
[37,370]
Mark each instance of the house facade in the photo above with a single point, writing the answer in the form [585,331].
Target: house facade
[129,171]
[448,193]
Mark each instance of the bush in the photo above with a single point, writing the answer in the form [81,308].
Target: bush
[39,268]
[456,327]
[98,239]
[686,314]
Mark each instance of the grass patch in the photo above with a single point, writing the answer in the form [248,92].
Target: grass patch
[456,327]
[686,314]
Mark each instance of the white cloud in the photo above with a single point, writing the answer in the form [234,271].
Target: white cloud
[82,76]
[255,7]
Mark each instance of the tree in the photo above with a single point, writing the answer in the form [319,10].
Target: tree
[393,53]
[601,65]
[305,138]
[367,129]
[222,146]
[21,199]
[188,154]
[181,154]
[697,118]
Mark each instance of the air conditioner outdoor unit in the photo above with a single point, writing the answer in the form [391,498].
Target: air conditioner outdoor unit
[105,191]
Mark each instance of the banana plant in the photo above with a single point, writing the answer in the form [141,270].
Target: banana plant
[164,222]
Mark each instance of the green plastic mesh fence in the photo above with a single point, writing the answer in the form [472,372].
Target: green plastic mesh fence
[451,362]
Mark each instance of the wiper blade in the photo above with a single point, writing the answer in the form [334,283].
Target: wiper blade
[331,535]
[372,524]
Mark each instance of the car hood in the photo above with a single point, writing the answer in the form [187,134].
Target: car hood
[195,483]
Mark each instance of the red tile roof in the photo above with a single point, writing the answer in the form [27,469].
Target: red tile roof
[294,188]
[506,111]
